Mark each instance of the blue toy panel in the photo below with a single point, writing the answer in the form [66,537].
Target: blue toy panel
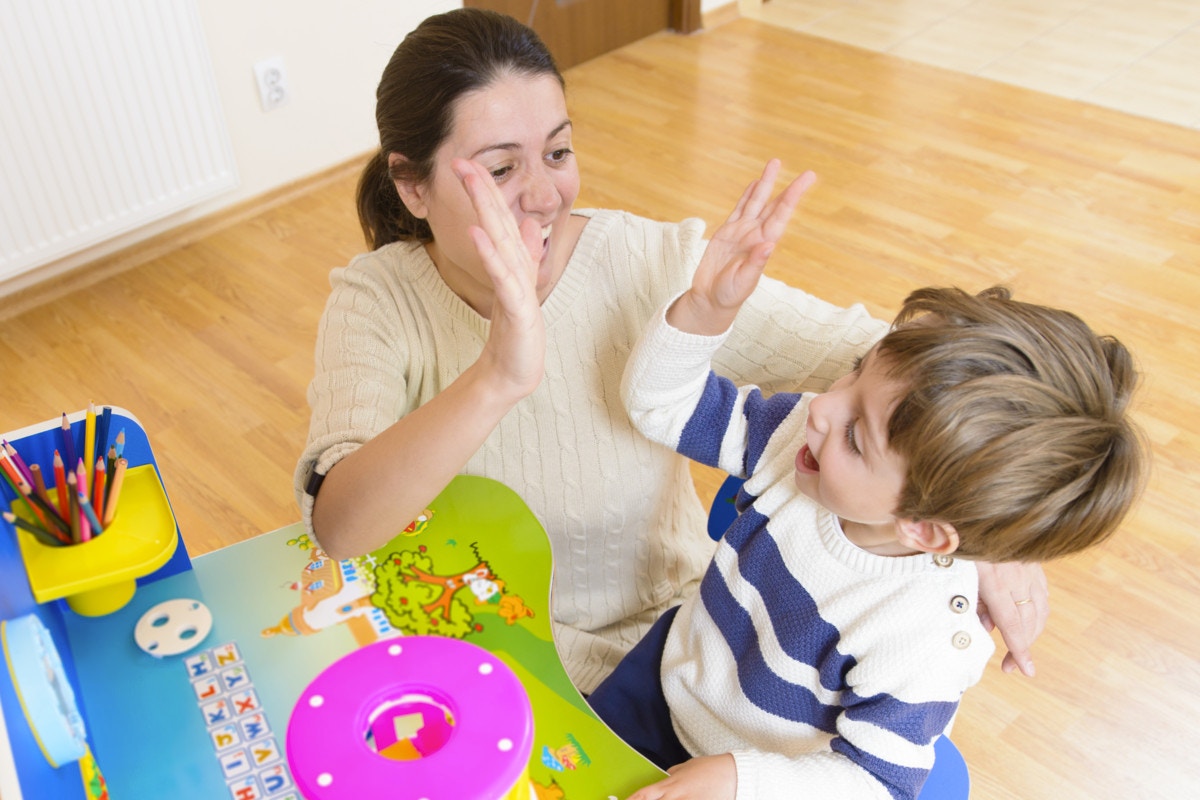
[36,445]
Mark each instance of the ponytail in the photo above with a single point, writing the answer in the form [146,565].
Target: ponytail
[383,216]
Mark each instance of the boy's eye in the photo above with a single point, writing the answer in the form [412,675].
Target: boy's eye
[851,442]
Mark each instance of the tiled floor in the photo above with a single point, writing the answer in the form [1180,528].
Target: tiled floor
[1138,56]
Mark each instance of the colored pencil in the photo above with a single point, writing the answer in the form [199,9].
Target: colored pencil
[82,481]
[110,467]
[39,483]
[60,485]
[97,498]
[90,513]
[15,485]
[121,443]
[68,440]
[10,470]
[73,493]
[114,494]
[39,534]
[25,490]
[89,444]
[11,453]
[102,429]
[45,513]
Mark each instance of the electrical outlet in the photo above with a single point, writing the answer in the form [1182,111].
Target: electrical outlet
[272,83]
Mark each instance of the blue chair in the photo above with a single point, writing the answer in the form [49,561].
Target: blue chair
[949,779]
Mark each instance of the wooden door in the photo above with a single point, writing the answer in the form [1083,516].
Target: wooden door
[576,30]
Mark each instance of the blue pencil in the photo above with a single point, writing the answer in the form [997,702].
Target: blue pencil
[68,440]
[90,513]
[102,426]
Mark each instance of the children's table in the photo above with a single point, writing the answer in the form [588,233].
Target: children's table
[209,718]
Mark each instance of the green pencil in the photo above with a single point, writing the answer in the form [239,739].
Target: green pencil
[38,533]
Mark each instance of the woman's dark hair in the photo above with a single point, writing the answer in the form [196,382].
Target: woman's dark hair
[445,57]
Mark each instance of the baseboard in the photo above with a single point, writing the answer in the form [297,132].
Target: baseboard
[59,284]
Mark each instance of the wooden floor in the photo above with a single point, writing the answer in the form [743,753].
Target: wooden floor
[926,177]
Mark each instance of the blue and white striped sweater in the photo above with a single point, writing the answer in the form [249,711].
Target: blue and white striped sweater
[826,670]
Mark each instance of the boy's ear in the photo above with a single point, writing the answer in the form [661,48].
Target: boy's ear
[411,194]
[927,535]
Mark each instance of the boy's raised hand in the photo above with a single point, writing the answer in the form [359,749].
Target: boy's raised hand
[736,254]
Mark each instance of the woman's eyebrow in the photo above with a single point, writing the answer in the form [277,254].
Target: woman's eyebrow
[514,146]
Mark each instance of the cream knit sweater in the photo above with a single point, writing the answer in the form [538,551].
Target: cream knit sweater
[625,525]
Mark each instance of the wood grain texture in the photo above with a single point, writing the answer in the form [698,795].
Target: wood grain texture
[926,177]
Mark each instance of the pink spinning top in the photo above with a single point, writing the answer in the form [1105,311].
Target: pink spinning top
[422,717]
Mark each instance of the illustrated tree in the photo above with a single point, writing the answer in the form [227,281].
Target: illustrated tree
[419,601]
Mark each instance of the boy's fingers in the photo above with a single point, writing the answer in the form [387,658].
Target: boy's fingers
[761,189]
[740,208]
[785,205]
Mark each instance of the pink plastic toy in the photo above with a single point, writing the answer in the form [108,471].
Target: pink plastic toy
[420,717]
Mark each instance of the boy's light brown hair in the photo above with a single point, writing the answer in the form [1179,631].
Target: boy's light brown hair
[1015,424]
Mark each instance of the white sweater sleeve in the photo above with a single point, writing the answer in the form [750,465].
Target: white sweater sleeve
[665,377]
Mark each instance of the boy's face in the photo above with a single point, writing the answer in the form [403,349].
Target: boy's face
[846,464]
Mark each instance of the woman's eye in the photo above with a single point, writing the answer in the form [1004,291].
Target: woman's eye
[560,155]
[850,440]
[500,172]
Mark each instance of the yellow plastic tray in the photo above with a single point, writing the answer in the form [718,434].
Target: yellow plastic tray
[99,576]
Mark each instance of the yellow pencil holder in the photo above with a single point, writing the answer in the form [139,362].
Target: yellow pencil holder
[99,576]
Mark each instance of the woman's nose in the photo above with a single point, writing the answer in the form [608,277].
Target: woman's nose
[538,193]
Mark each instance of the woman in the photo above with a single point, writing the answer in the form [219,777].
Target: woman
[432,361]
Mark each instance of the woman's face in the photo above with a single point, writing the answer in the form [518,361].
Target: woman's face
[517,128]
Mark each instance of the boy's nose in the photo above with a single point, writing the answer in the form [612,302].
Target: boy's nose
[817,418]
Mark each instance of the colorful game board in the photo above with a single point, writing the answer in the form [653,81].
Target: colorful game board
[211,722]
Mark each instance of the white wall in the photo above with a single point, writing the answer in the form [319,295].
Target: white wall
[333,52]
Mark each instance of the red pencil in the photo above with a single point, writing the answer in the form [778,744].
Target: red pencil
[98,487]
[44,512]
[10,469]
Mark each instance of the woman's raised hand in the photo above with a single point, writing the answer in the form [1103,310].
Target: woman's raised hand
[736,254]
[516,346]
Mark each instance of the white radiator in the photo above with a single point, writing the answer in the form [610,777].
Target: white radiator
[109,119]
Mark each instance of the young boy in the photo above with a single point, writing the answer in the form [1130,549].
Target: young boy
[835,630]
